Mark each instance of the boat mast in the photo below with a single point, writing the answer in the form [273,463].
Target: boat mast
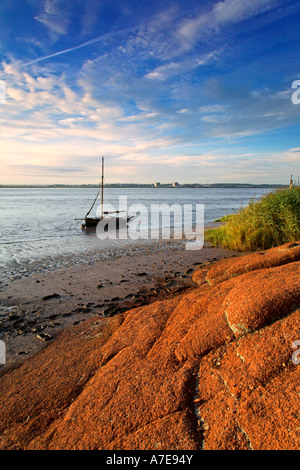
[101,216]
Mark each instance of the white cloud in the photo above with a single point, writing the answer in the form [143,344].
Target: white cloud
[168,70]
[46,122]
[236,10]
[222,13]
[55,16]
[214,108]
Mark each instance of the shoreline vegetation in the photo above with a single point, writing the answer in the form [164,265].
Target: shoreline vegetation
[271,221]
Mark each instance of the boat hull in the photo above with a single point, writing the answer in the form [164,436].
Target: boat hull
[118,222]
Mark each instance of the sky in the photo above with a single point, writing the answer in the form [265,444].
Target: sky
[188,91]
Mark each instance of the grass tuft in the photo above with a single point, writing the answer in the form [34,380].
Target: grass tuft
[273,220]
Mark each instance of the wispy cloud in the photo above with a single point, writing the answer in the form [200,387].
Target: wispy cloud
[171,69]
[221,14]
[55,15]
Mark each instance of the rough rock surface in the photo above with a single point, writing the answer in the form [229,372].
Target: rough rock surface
[209,369]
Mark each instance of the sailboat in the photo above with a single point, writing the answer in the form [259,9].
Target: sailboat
[119,221]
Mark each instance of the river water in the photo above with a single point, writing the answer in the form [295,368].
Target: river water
[39,230]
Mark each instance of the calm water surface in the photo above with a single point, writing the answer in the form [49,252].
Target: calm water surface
[38,225]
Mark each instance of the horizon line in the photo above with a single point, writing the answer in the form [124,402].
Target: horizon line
[161,185]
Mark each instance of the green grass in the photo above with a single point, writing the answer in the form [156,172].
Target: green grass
[271,221]
[225,218]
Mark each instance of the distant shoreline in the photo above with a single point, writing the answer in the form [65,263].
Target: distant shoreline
[137,185]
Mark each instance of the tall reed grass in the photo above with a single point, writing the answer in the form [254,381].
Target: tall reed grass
[271,221]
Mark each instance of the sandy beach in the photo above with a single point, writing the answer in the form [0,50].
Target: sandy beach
[36,309]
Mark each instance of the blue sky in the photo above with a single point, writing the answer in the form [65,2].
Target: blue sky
[188,91]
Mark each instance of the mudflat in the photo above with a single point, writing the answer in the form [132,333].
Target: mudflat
[35,309]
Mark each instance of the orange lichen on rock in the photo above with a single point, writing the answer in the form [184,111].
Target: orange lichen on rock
[209,369]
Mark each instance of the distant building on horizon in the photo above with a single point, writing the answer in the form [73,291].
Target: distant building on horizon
[156,185]
[175,184]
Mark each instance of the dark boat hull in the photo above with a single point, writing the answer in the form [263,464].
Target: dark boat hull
[92,222]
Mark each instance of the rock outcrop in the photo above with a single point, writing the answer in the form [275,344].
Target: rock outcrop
[209,369]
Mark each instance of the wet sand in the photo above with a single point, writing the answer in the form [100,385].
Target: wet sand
[35,309]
